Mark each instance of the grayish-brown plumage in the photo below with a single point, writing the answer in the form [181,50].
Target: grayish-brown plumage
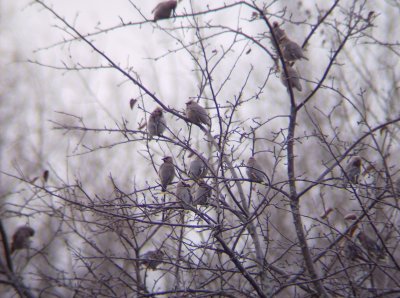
[166,172]
[20,239]
[352,171]
[254,170]
[183,194]
[278,32]
[397,187]
[197,114]
[203,193]
[198,168]
[294,78]
[164,10]
[371,246]
[352,251]
[291,51]
[152,259]
[156,123]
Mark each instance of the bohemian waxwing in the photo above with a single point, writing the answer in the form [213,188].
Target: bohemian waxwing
[198,168]
[294,78]
[203,193]
[352,171]
[196,113]
[254,170]
[166,172]
[152,259]
[156,124]
[164,10]
[20,239]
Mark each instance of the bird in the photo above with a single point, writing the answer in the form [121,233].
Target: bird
[197,114]
[156,124]
[183,194]
[352,171]
[203,193]
[152,259]
[278,33]
[166,172]
[164,10]
[352,251]
[197,168]
[254,170]
[291,51]
[371,246]
[20,239]
[293,76]
[397,187]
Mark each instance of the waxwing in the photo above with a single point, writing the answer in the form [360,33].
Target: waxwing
[196,113]
[156,124]
[278,32]
[166,172]
[397,187]
[20,239]
[152,259]
[371,246]
[352,171]
[254,170]
[294,78]
[164,10]
[291,51]
[352,251]
[203,193]
[198,168]
[183,194]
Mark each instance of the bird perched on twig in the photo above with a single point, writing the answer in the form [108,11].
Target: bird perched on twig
[353,252]
[20,239]
[197,114]
[156,124]
[152,259]
[278,33]
[164,10]
[294,78]
[166,172]
[371,246]
[352,171]
[396,187]
[183,194]
[291,51]
[254,170]
[203,193]
[197,168]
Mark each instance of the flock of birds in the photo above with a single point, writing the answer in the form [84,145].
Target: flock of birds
[198,167]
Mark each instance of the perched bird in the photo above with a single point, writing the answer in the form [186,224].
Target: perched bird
[254,170]
[164,10]
[397,187]
[152,259]
[166,172]
[352,251]
[352,171]
[197,114]
[198,168]
[294,78]
[20,239]
[371,246]
[203,193]
[278,33]
[183,193]
[291,51]
[156,124]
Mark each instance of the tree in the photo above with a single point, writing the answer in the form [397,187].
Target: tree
[314,226]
